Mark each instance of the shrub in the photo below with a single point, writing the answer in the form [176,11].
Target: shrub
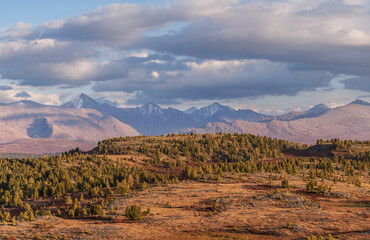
[68,200]
[96,210]
[133,212]
[285,183]
[310,186]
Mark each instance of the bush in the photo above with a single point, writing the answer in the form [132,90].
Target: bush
[310,186]
[68,200]
[133,212]
[96,210]
[285,183]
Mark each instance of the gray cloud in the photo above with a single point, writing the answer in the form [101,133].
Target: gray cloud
[123,24]
[141,99]
[107,101]
[22,94]
[48,62]
[113,25]
[358,83]
[218,80]
[5,87]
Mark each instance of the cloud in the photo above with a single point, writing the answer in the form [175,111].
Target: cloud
[22,94]
[329,34]
[5,87]
[18,30]
[48,62]
[213,79]
[107,101]
[364,96]
[123,24]
[357,83]
[40,96]
[227,49]
[114,24]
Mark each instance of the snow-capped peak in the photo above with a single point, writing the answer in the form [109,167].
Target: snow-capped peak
[81,101]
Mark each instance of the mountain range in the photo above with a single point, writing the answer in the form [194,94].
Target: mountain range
[150,119]
[347,122]
[83,119]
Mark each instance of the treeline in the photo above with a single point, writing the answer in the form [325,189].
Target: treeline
[228,147]
[343,143]
[352,146]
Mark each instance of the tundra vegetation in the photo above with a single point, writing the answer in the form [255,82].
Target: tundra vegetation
[90,186]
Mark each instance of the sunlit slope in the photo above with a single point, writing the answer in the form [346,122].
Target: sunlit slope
[31,120]
[347,122]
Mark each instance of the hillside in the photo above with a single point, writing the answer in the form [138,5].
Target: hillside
[347,122]
[43,145]
[27,119]
[197,187]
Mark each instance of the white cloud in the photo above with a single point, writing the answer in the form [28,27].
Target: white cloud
[19,30]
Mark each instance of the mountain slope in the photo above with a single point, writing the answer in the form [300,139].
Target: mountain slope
[310,113]
[82,101]
[220,113]
[149,119]
[191,110]
[360,102]
[43,145]
[347,122]
[31,120]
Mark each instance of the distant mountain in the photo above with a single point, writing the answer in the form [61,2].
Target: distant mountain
[191,110]
[360,102]
[310,113]
[27,119]
[213,113]
[347,122]
[318,109]
[151,119]
[82,101]
[85,120]
[220,113]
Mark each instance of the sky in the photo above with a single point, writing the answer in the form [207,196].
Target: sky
[269,56]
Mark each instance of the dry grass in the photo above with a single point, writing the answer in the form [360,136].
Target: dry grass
[248,209]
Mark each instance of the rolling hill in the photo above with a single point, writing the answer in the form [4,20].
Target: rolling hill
[43,145]
[347,122]
[26,119]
